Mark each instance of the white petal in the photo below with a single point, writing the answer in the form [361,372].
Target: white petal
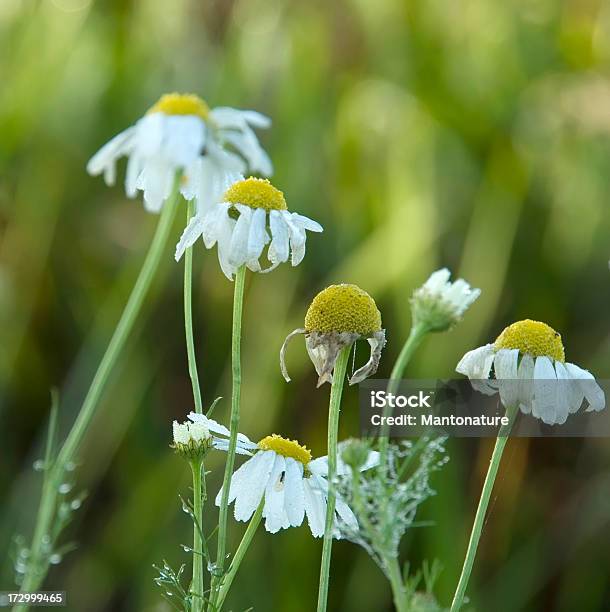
[105,159]
[279,249]
[307,223]
[589,387]
[258,238]
[315,508]
[189,236]
[273,511]
[297,238]
[505,368]
[526,383]
[294,499]
[544,405]
[252,491]
[437,281]
[476,364]
[238,254]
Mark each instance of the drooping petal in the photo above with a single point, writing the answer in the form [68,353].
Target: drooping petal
[191,233]
[279,249]
[505,368]
[289,337]
[252,490]
[315,507]
[105,159]
[238,254]
[273,510]
[545,391]
[258,238]
[377,342]
[294,497]
[589,387]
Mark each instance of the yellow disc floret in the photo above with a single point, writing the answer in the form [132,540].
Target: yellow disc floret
[255,193]
[343,308]
[181,104]
[532,338]
[286,448]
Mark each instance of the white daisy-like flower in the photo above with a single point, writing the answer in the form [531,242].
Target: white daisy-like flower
[292,484]
[248,216]
[439,304]
[191,440]
[181,133]
[339,316]
[526,365]
[219,434]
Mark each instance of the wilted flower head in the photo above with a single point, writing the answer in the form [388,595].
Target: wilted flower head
[439,304]
[246,216]
[191,440]
[339,316]
[180,133]
[527,362]
[292,484]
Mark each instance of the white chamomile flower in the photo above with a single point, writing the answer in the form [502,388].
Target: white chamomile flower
[293,486]
[529,370]
[191,440]
[219,433]
[181,133]
[248,216]
[337,317]
[439,304]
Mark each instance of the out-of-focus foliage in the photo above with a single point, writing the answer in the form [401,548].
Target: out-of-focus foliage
[470,134]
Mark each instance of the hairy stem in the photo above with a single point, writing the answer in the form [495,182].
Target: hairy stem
[188,319]
[38,564]
[334,410]
[479,519]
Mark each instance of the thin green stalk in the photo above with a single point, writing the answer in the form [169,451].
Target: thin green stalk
[416,335]
[334,410]
[240,553]
[479,519]
[188,318]
[38,566]
[238,303]
[197,583]
[399,593]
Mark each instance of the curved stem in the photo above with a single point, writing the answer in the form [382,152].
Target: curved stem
[416,335]
[238,302]
[334,410]
[46,511]
[479,519]
[197,584]
[188,318]
[239,555]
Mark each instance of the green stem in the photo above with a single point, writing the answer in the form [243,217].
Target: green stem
[238,302]
[334,410]
[240,553]
[479,518]
[38,565]
[398,587]
[197,584]
[188,318]
[416,335]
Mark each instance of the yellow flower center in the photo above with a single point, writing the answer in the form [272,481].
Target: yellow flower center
[343,308]
[255,193]
[532,338]
[181,104]
[286,448]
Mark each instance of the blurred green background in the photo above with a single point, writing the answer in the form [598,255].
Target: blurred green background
[470,134]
